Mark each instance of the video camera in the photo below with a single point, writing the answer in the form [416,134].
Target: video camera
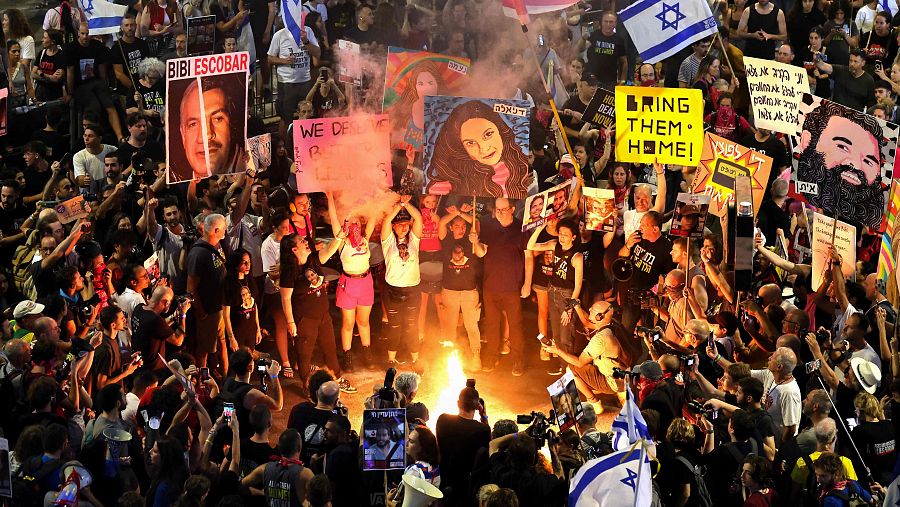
[619,373]
[697,408]
[539,428]
[387,396]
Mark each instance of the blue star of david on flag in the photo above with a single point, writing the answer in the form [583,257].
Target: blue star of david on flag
[89,8]
[630,480]
[666,24]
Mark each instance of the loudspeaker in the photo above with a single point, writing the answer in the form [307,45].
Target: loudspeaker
[419,492]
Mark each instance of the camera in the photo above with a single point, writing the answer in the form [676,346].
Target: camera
[698,408]
[654,333]
[86,308]
[387,396]
[619,373]
[80,347]
[571,303]
[540,426]
[470,383]
[687,360]
[262,364]
[184,298]
[189,234]
[65,368]
[262,367]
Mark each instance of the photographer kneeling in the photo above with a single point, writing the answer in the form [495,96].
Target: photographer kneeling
[593,369]
[514,465]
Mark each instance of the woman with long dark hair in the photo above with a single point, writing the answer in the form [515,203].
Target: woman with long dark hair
[400,233]
[240,309]
[408,112]
[168,471]
[304,296]
[476,154]
[15,27]
[21,87]
[424,455]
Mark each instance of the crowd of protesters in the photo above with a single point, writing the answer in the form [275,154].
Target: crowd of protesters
[129,335]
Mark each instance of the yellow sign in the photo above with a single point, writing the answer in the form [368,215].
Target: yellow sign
[659,124]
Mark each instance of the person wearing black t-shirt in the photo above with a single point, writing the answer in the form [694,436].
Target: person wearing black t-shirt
[340,462]
[49,69]
[650,256]
[875,439]
[206,283]
[138,142]
[12,215]
[459,439]
[151,334]
[326,97]
[256,450]
[606,52]
[304,296]
[766,143]
[460,293]
[310,419]
[879,45]
[361,31]
[86,74]
[127,54]
[574,107]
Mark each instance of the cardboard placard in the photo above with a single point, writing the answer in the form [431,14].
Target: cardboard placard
[723,160]
[73,209]
[775,92]
[601,110]
[600,211]
[260,148]
[690,216]
[349,63]
[825,233]
[330,152]
[566,401]
[206,117]
[384,439]
[548,204]
[662,125]
[201,35]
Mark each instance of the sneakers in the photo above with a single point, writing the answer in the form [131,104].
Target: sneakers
[555,370]
[346,386]
[545,356]
[518,369]
[505,350]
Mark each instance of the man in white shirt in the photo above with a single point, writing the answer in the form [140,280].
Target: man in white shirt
[782,398]
[293,68]
[90,171]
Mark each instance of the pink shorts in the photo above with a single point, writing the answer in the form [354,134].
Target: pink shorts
[353,292]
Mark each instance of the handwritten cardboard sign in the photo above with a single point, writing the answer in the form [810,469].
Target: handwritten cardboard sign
[824,234]
[775,92]
[330,152]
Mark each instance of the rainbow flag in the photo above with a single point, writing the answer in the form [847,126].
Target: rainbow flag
[886,262]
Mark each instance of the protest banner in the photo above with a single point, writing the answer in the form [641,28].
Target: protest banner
[73,209]
[409,77]
[601,110]
[600,211]
[720,162]
[825,233]
[466,140]
[545,205]
[775,92]
[662,125]
[323,147]
[690,216]
[566,401]
[201,35]
[206,117]
[384,439]
[843,161]
[260,148]
[349,62]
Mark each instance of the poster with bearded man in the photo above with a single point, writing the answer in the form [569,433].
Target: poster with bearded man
[843,161]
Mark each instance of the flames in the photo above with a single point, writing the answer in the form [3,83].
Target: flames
[453,380]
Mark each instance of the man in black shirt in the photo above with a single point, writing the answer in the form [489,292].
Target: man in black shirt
[108,366]
[341,464]
[137,142]
[37,172]
[650,255]
[86,74]
[574,107]
[606,52]
[206,283]
[459,438]
[127,54]
[362,32]
[12,215]
[150,333]
[256,450]
[310,419]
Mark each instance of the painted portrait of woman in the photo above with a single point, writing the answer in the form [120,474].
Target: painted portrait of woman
[476,153]
[408,112]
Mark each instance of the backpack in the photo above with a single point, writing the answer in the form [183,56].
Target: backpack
[21,264]
[851,498]
[27,489]
[702,494]
[811,487]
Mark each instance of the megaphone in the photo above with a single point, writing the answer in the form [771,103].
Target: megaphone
[419,492]
[622,269]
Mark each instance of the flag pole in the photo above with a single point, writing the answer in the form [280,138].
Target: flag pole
[562,129]
[637,484]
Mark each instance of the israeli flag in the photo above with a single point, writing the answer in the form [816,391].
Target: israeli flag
[294,18]
[102,17]
[661,28]
[629,426]
[620,479]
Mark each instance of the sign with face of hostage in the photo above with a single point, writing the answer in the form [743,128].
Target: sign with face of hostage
[843,161]
[207,116]
[690,216]
[720,163]
[477,147]
[411,76]
[545,205]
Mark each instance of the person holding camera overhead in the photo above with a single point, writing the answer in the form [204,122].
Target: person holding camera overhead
[150,332]
[459,438]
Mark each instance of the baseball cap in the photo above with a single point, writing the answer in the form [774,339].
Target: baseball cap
[566,159]
[867,373]
[649,369]
[590,78]
[27,307]
[402,216]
